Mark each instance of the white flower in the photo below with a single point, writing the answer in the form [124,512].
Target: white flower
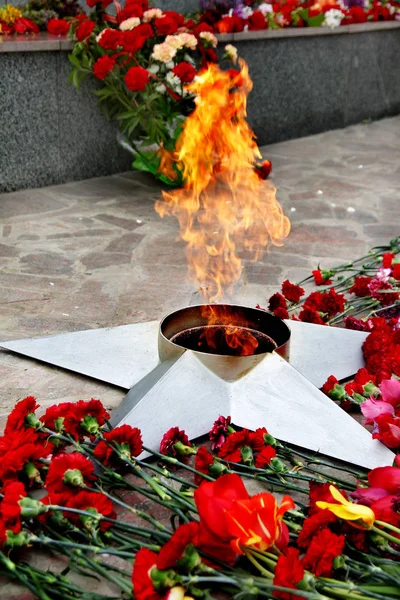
[173,81]
[154,68]
[174,41]
[152,13]
[170,65]
[163,52]
[333,18]
[232,52]
[187,40]
[209,37]
[129,24]
[247,11]
[265,8]
[160,88]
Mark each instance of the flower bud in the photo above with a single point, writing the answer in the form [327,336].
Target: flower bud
[74,477]
[18,540]
[271,441]
[32,420]
[277,465]
[31,508]
[338,393]
[90,424]
[217,469]
[183,450]
[247,455]
[370,389]
[190,559]
[32,473]
[163,579]
[339,561]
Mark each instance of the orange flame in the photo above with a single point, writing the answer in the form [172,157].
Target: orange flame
[224,209]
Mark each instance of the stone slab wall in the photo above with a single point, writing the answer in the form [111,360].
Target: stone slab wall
[49,132]
[305,85]
[305,82]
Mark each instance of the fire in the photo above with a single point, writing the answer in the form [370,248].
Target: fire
[225,211]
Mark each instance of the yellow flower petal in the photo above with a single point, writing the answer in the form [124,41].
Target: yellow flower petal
[349,511]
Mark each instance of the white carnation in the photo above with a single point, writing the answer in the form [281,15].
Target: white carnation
[129,24]
[152,13]
[333,18]
[209,37]
[265,8]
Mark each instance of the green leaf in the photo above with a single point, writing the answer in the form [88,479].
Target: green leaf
[311,21]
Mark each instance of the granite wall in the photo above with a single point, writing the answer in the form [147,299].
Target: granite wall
[49,132]
[304,83]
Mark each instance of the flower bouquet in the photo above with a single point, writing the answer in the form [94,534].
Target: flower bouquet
[144,59]
[183,524]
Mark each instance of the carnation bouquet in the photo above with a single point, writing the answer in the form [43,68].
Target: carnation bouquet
[144,58]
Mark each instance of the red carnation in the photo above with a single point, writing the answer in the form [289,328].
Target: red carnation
[136,79]
[313,301]
[204,459]
[84,30]
[310,316]
[176,443]
[129,440]
[110,39]
[68,470]
[143,588]
[360,286]
[23,25]
[219,432]
[242,442]
[291,291]
[264,170]
[332,303]
[353,323]
[92,501]
[16,418]
[277,301]
[173,550]
[103,66]
[288,573]
[325,546]
[257,21]
[329,384]
[20,448]
[321,277]
[55,415]
[396,271]
[387,260]
[264,457]
[58,26]
[10,509]
[202,27]
[314,524]
[177,17]
[165,25]
[281,313]
[185,71]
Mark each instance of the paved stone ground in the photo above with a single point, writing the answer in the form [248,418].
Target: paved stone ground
[95,253]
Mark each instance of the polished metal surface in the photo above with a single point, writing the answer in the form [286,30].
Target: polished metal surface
[124,355]
[185,393]
[229,368]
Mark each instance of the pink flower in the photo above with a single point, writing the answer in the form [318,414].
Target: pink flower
[371,409]
[390,391]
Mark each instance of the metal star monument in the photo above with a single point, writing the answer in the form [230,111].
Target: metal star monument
[170,385]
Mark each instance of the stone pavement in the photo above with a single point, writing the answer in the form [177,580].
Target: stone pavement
[95,253]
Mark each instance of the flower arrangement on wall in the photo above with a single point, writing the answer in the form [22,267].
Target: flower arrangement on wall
[235,16]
